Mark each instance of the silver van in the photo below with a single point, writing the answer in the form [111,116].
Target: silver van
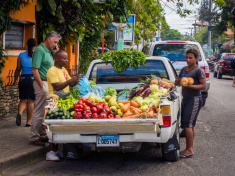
[175,52]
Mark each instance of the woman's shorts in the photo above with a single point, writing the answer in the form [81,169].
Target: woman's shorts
[26,89]
[190,110]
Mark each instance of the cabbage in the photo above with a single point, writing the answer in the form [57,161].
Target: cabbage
[163,91]
[154,88]
[92,82]
[144,108]
[110,91]
[138,98]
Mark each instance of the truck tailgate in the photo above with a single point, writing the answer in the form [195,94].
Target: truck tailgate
[102,126]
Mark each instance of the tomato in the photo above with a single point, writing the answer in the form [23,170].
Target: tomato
[110,116]
[95,116]
[117,117]
[101,103]
[94,110]
[103,115]
[99,108]
[88,102]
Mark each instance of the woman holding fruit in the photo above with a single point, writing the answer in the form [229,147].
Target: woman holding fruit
[192,78]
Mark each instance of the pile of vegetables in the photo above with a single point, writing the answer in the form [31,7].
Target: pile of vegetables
[143,102]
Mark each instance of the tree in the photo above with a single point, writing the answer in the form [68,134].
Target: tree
[171,34]
[79,20]
[148,19]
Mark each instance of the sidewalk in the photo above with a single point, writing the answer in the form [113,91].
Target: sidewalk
[14,144]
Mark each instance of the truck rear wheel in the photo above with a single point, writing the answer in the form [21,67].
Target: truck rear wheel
[175,154]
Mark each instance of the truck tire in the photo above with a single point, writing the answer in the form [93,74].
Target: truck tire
[219,75]
[175,154]
[215,74]
[203,101]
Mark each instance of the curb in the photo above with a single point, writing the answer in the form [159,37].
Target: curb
[28,156]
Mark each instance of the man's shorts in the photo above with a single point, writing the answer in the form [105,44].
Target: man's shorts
[190,110]
[26,90]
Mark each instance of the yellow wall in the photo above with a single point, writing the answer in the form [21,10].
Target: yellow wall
[27,13]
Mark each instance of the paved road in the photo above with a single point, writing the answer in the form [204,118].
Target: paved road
[214,148]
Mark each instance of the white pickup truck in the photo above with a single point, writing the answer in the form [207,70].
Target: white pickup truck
[125,135]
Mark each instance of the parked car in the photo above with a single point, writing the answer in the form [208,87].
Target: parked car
[175,52]
[222,66]
[100,50]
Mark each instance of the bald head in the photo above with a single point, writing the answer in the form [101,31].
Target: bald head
[61,59]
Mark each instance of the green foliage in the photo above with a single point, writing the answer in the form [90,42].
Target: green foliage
[121,60]
[78,20]
[148,19]
[171,34]
[6,8]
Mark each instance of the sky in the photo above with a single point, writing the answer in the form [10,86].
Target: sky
[175,21]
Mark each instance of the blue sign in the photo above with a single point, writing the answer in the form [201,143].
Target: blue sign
[112,28]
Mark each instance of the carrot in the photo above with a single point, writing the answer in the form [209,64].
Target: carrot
[144,115]
[157,109]
[135,112]
[136,109]
[155,115]
[147,110]
[123,101]
[125,107]
[131,117]
[154,107]
[150,113]
[133,103]
[128,113]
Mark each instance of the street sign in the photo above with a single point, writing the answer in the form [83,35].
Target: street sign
[128,30]
[112,28]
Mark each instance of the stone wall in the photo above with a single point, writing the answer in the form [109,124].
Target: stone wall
[9,99]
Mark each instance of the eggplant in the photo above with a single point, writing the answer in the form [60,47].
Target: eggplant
[140,91]
[147,86]
[132,94]
[146,93]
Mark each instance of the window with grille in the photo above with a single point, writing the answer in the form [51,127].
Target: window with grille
[14,39]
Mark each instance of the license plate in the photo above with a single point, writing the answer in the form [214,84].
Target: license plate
[107,141]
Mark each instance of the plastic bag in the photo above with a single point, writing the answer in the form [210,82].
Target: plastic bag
[86,90]
[123,96]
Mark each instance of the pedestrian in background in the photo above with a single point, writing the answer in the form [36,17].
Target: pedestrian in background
[192,98]
[59,82]
[42,62]
[26,90]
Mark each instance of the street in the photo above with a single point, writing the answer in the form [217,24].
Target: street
[213,148]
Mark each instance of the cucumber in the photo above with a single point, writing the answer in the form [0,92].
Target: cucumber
[48,117]
[61,114]
[56,114]
[65,112]
[68,115]
[55,110]
[49,112]
[52,116]
[63,117]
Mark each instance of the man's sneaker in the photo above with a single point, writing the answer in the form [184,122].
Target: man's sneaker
[18,120]
[38,143]
[59,154]
[51,156]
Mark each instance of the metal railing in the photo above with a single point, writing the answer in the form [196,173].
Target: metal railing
[11,78]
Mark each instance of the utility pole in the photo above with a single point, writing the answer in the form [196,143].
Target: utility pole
[195,30]
[209,31]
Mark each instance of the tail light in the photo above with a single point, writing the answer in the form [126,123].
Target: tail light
[166,116]
[222,64]
[206,70]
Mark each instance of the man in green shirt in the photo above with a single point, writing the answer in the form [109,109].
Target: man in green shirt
[42,61]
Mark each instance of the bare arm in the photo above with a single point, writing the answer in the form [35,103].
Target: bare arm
[37,77]
[17,71]
[177,81]
[71,82]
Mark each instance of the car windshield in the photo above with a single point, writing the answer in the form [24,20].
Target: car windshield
[105,74]
[229,57]
[174,52]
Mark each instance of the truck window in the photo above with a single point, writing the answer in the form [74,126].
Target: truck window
[229,57]
[105,74]
[174,72]
[173,51]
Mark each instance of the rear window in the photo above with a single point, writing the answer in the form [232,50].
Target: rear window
[229,57]
[174,52]
[102,73]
